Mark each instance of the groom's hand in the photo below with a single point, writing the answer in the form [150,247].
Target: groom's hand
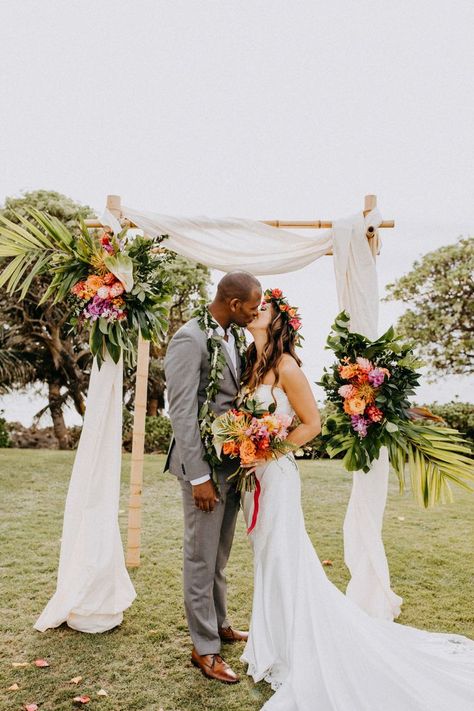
[205,496]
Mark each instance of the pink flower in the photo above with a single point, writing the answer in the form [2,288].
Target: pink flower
[347,391]
[116,289]
[376,377]
[364,364]
[103,292]
[277,293]
[373,413]
[295,323]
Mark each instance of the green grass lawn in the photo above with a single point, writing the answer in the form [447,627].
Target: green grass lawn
[144,665]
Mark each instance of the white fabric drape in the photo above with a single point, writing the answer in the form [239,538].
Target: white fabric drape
[93,587]
[258,248]
[364,554]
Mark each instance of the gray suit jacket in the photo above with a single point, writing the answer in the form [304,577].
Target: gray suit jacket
[187,376]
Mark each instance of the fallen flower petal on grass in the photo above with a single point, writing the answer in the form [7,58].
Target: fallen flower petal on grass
[13,687]
[41,663]
[30,707]
[75,680]
[17,665]
[81,699]
[327,562]
[102,692]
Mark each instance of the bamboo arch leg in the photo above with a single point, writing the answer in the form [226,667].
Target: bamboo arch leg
[138,445]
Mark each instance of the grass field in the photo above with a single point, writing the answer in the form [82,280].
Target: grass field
[144,665]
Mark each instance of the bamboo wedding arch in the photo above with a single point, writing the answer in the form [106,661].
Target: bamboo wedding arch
[114,206]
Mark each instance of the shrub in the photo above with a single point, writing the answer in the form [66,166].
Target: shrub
[4,434]
[158,433]
[459,415]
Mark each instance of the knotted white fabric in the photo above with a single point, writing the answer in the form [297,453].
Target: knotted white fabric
[93,587]
[364,554]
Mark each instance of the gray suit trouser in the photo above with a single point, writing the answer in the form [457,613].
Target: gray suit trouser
[207,542]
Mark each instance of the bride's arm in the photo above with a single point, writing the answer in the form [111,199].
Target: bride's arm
[299,393]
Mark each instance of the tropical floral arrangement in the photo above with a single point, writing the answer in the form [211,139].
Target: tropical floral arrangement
[251,434]
[111,284]
[370,384]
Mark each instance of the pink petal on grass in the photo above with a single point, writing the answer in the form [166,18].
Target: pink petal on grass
[81,699]
[41,663]
[30,707]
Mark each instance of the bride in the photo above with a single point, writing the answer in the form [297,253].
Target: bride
[317,649]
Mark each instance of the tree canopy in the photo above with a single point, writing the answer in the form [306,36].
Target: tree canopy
[439,292]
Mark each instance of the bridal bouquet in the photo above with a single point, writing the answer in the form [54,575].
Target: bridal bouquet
[112,285]
[250,434]
[370,384]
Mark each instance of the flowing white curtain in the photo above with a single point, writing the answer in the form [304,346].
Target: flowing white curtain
[93,587]
[364,554]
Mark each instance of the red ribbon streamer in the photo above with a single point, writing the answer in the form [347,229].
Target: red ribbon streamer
[256,499]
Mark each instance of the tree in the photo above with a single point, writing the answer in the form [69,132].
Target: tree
[39,335]
[190,282]
[440,319]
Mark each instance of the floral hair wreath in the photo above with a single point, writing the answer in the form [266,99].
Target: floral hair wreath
[290,313]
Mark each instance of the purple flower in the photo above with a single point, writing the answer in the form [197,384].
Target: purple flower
[376,377]
[359,424]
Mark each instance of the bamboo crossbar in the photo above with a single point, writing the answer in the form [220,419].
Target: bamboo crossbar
[300,224]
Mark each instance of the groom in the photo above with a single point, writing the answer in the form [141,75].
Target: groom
[209,516]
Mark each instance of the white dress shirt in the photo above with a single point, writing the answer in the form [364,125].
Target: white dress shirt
[230,345]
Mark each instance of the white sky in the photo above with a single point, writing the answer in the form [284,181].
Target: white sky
[261,109]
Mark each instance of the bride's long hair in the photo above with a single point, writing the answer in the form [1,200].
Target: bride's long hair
[281,338]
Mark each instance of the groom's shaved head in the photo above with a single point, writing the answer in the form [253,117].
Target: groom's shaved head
[238,285]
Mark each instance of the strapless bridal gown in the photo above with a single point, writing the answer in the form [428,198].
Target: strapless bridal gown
[318,650]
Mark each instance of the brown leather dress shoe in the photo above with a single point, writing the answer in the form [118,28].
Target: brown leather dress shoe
[214,667]
[229,636]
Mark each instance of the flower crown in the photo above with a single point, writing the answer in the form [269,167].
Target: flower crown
[289,312]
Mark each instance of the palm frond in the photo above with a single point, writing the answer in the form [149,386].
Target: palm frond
[435,457]
[33,245]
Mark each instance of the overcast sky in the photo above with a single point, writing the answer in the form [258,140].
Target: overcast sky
[262,109]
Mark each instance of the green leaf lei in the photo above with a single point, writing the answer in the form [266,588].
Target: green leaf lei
[217,363]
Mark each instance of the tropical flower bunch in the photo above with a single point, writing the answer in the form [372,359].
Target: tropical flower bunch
[370,384]
[291,313]
[113,285]
[251,434]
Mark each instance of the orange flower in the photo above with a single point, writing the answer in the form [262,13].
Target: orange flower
[94,282]
[348,371]
[247,451]
[291,312]
[354,406]
[366,392]
[230,448]
[361,378]
[109,278]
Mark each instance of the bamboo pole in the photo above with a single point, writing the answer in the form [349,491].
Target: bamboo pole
[138,440]
[370,203]
[300,224]
[138,447]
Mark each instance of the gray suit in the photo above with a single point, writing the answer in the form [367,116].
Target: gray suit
[207,536]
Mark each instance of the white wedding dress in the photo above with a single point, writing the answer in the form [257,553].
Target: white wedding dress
[318,649]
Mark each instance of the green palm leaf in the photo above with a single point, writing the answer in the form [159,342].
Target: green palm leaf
[435,457]
[33,244]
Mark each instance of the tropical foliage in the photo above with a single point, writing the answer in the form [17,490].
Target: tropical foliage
[439,292]
[109,284]
[370,384]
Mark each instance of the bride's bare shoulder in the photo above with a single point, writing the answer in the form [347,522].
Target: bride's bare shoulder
[288,365]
